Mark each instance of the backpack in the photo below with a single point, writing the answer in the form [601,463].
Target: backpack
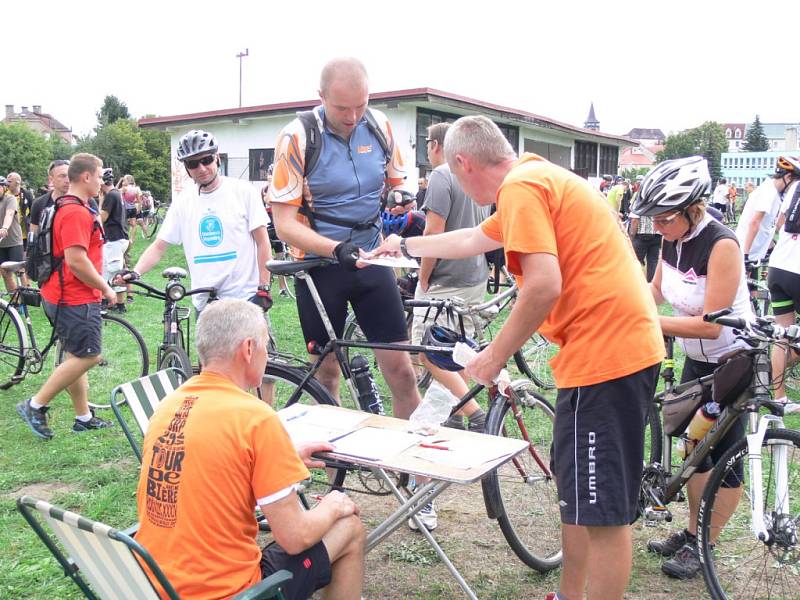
[313,150]
[792,222]
[40,263]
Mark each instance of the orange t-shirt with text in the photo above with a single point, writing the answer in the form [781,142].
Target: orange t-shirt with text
[210,453]
[605,320]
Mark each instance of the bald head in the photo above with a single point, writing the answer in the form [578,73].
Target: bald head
[348,71]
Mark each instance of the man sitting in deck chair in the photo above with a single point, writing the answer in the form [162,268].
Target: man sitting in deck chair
[211,453]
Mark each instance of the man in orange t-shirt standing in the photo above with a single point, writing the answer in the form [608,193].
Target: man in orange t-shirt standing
[581,287]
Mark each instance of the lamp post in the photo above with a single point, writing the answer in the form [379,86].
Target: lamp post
[240,56]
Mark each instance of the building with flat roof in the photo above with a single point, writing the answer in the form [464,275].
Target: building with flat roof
[741,167]
[247,135]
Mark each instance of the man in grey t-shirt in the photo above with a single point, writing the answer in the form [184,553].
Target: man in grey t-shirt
[447,208]
[10,232]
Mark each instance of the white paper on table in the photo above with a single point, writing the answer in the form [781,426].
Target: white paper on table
[461,454]
[311,424]
[392,261]
[374,444]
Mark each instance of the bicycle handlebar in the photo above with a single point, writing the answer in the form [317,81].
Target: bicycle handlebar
[753,332]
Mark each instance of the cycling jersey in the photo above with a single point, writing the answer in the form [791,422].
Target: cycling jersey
[684,270]
[786,255]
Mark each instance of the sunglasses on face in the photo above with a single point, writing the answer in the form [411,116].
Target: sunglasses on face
[664,221]
[196,162]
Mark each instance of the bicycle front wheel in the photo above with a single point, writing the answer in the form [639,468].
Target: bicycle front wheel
[124,358]
[150,226]
[13,345]
[522,492]
[736,564]
[176,357]
[532,360]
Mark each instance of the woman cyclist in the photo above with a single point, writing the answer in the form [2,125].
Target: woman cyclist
[701,269]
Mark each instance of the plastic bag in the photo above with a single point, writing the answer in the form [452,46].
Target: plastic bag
[434,409]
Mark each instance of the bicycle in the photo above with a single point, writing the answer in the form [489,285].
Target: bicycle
[124,354]
[762,531]
[151,220]
[760,299]
[524,414]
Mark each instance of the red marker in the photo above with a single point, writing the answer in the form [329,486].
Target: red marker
[434,447]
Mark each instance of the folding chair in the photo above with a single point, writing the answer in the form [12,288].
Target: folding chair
[102,561]
[143,395]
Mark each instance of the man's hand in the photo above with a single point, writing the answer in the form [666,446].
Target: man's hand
[122,277]
[110,295]
[263,299]
[306,449]
[484,368]
[340,504]
[389,247]
[347,254]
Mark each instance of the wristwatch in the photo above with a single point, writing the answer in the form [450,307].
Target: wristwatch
[404,249]
[264,288]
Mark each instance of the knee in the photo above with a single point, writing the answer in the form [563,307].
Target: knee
[357,533]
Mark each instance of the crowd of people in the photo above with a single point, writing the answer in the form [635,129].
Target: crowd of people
[580,285]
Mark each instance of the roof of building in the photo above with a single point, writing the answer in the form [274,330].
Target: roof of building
[591,118]
[409,95]
[646,134]
[47,119]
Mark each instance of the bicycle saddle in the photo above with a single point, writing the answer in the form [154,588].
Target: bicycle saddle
[173,273]
[290,267]
[14,266]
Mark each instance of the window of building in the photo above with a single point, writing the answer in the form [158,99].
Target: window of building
[728,133]
[559,155]
[586,160]
[738,134]
[223,163]
[609,158]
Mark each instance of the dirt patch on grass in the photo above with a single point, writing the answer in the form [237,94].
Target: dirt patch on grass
[42,491]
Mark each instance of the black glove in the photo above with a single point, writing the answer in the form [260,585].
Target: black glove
[263,299]
[347,255]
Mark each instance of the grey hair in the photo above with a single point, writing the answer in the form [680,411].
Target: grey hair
[224,325]
[351,70]
[479,139]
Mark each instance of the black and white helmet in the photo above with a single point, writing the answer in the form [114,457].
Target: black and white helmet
[196,142]
[673,185]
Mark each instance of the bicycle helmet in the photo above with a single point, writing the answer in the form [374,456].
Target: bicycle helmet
[673,185]
[3,181]
[438,335]
[108,176]
[787,165]
[196,142]
[409,224]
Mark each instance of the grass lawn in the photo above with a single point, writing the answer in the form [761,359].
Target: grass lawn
[95,474]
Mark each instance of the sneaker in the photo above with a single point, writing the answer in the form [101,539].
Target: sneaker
[284,293]
[685,564]
[477,424]
[93,423]
[428,517]
[454,422]
[36,418]
[672,544]
[129,300]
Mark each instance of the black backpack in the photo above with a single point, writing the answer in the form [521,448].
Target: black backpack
[40,263]
[313,149]
[792,222]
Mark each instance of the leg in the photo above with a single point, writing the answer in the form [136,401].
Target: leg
[610,556]
[345,545]
[8,278]
[328,374]
[399,375]
[779,357]
[575,545]
[66,375]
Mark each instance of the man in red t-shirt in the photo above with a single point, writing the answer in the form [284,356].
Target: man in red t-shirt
[72,299]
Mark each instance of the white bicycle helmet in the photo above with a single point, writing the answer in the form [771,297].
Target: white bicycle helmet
[673,185]
[196,142]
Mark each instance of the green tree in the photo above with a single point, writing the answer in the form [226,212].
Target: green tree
[25,151]
[633,172]
[113,110]
[755,140]
[59,148]
[707,141]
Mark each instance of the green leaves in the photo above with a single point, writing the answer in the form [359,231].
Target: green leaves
[755,140]
[707,141]
[25,151]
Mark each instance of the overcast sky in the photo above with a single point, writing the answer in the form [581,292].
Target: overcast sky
[668,65]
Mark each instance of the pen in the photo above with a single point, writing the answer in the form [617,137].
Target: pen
[434,447]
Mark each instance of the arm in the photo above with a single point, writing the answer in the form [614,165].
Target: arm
[655,284]
[752,231]
[461,243]
[434,224]
[103,215]
[151,256]
[263,253]
[298,234]
[7,220]
[724,270]
[541,288]
[633,227]
[78,262]
[296,529]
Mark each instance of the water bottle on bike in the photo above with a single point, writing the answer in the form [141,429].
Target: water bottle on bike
[369,398]
[699,426]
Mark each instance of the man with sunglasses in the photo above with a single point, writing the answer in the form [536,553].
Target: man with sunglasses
[221,224]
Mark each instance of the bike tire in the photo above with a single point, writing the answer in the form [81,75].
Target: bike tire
[522,498]
[739,565]
[532,361]
[286,381]
[124,357]
[653,436]
[152,226]
[13,346]
[175,357]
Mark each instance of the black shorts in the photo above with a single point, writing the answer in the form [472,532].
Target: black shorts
[311,569]
[695,369]
[78,327]
[14,253]
[130,213]
[784,289]
[598,449]
[371,291]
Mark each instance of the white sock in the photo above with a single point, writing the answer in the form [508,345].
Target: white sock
[84,418]
[782,400]
[34,404]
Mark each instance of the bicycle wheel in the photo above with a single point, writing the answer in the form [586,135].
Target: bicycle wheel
[286,381]
[739,565]
[176,357]
[521,493]
[150,225]
[13,345]
[532,360]
[124,358]
[653,436]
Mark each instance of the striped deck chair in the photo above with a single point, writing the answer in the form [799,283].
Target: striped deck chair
[102,561]
[143,395]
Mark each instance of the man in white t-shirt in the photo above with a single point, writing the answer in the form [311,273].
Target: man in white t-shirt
[222,226]
[756,226]
[719,199]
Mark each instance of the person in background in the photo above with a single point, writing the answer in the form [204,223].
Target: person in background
[10,232]
[24,205]
[423,186]
[58,182]
[115,225]
[719,199]
[132,197]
